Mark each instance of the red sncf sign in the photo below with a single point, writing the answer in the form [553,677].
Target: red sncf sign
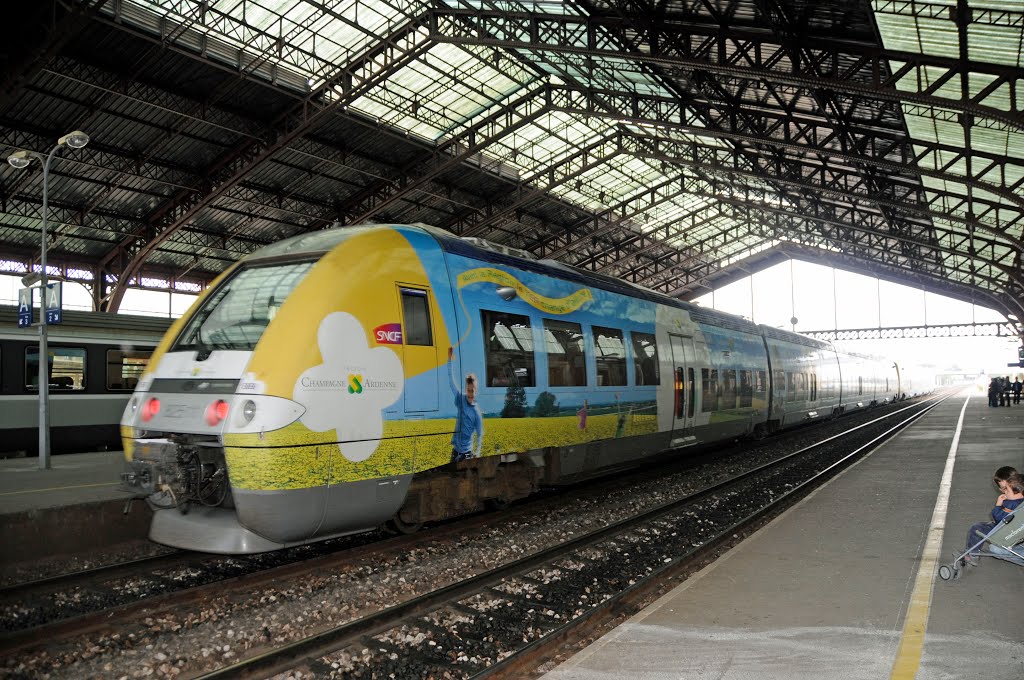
[388,334]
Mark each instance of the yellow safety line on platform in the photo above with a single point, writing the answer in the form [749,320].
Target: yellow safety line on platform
[908,657]
[57,488]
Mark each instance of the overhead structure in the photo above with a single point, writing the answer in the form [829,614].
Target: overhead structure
[667,144]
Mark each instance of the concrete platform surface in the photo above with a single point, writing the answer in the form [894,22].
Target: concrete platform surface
[844,585]
[75,506]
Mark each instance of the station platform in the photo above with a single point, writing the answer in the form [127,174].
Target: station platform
[845,584]
[74,506]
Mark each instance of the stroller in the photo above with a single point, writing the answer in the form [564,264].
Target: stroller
[1008,534]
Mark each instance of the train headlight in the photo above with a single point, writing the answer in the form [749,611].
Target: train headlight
[249,410]
[216,412]
[150,409]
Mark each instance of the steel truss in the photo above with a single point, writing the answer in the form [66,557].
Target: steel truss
[956,330]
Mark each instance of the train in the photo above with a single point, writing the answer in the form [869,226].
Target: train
[399,374]
[94,362]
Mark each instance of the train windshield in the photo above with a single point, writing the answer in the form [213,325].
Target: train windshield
[239,310]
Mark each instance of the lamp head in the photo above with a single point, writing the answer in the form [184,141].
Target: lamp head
[20,159]
[76,139]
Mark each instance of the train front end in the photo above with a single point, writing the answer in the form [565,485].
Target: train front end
[255,426]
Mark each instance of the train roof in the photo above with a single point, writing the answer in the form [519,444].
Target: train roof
[92,324]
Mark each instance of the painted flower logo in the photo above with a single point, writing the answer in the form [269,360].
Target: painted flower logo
[349,391]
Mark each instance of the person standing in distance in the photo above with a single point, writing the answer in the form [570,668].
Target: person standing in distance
[468,419]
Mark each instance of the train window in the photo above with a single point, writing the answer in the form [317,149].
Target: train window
[814,386]
[746,389]
[237,312]
[693,392]
[709,389]
[125,367]
[760,385]
[508,350]
[790,386]
[65,367]
[860,385]
[728,398]
[416,315]
[645,359]
[610,353]
[680,393]
[567,365]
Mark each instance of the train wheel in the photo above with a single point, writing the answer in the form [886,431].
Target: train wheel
[497,503]
[399,526]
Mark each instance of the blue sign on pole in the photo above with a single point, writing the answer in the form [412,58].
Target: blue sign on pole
[54,311]
[24,307]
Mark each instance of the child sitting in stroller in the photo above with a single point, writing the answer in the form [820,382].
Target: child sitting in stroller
[1002,534]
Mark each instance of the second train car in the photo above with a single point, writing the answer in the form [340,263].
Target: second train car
[340,379]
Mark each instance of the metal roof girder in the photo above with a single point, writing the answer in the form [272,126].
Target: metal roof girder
[898,166]
[762,49]
[583,160]
[232,167]
[452,152]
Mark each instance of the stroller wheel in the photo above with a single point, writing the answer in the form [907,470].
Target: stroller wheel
[945,573]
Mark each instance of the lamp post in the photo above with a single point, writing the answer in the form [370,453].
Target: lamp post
[20,160]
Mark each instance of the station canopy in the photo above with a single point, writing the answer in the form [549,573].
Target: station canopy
[674,145]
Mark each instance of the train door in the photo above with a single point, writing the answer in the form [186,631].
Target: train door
[419,353]
[684,385]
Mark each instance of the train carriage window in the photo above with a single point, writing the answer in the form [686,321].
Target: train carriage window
[814,386]
[416,317]
[790,386]
[692,382]
[610,353]
[709,389]
[645,359]
[728,398]
[508,350]
[680,393]
[860,385]
[567,365]
[746,389]
[125,367]
[761,385]
[778,385]
[65,367]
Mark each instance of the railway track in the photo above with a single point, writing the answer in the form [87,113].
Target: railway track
[504,621]
[528,576]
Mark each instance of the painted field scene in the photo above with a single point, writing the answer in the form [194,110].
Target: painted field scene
[295,457]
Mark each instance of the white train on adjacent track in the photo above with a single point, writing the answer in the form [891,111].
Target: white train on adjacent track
[94,363]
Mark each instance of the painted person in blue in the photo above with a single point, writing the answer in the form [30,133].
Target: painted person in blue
[468,419]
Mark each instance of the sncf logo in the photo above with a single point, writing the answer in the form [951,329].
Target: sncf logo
[388,334]
[355,383]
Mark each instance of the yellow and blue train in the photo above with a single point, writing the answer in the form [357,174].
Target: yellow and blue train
[345,378]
